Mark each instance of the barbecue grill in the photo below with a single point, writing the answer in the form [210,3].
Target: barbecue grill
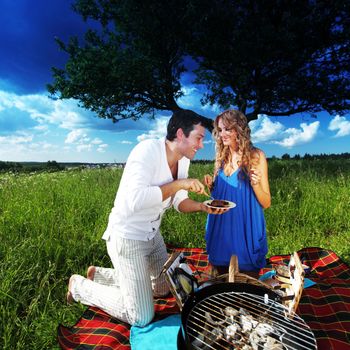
[241,316]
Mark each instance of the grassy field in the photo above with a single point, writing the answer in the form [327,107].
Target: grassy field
[51,226]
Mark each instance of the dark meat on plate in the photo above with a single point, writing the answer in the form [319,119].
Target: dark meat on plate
[219,203]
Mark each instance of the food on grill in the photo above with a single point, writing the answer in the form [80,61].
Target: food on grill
[247,322]
[231,330]
[211,321]
[219,203]
[230,311]
[239,320]
[241,329]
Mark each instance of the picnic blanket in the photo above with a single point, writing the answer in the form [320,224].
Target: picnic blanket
[325,306]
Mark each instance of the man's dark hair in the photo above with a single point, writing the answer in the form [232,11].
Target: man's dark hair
[186,119]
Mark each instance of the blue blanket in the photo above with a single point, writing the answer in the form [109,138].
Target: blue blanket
[159,335]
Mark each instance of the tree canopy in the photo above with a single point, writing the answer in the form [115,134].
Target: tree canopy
[274,57]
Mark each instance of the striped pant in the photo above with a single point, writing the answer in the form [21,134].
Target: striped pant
[126,291]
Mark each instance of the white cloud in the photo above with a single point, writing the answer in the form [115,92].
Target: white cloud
[267,131]
[189,90]
[42,128]
[15,139]
[191,100]
[159,129]
[32,125]
[35,127]
[47,146]
[84,148]
[299,136]
[76,136]
[102,148]
[64,118]
[215,108]
[341,124]
[83,142]
[20,147]
[42,146]
[96,141]
[263,129]
[65,114]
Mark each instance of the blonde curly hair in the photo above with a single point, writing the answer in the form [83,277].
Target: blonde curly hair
[249,154]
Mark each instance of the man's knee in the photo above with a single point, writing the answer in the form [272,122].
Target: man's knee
[141,320]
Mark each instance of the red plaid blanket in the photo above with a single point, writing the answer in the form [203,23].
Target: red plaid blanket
[325,306]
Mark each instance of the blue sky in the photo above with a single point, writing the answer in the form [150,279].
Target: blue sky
[34,127]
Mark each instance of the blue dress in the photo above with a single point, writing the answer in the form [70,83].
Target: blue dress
[242,230]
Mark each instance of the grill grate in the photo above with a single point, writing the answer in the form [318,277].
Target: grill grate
[233,320]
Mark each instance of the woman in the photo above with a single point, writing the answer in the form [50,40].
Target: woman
[240,176]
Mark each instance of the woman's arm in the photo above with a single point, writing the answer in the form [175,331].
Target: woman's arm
[259,179]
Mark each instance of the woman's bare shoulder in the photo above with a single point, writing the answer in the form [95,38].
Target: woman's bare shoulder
[257,153]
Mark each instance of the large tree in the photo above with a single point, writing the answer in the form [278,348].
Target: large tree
[274,57]
[130,68]
[264,56]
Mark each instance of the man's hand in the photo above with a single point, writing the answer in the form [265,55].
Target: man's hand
[192,185]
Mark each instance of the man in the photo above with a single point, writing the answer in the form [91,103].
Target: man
[154,179]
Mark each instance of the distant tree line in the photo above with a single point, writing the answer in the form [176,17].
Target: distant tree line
[332,156]
[286,156]
[51,165]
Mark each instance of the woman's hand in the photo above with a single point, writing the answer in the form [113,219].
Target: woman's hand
[208,181]
[255,176]
[210,210]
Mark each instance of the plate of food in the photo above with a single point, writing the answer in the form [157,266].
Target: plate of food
[219,204]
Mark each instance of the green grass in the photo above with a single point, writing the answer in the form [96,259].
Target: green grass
[51,226]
